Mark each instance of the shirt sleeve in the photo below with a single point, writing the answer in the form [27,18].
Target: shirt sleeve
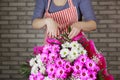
[87,11]
[39,9]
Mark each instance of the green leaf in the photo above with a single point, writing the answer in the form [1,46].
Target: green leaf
[69,29]
[25,70]
[100,76]
[65,37]
[31,56]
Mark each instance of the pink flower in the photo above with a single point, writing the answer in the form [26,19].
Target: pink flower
[37,50]
[60,73]
[96,69]
[102,61]
[83,58]
[60,62]
[91,49]
[78,37]
[90,64]
[32,77]
[109,77]
[92,75]
[84,74]
[39,76]
[81,38]
[47,48]
[77,67]
[44,57]
[67,67]
[52,76]
[76,74]
[51,69]
[53,41]
[53,56]
[55,48]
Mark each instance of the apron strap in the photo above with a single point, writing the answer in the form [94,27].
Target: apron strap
[69,2]
[48,5]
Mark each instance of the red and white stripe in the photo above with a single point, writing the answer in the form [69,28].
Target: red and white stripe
[64,17]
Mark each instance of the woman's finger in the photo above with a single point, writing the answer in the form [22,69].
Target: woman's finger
[71,33]
[53,33]
[47,32]
[57,32]
[50,35]
[74,33]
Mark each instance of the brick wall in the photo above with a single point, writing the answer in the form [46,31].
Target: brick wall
[17,38]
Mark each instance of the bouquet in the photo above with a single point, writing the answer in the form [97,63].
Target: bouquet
[67,59]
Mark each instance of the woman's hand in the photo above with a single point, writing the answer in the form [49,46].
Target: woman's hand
[75,29]
[52,28]
[85,26]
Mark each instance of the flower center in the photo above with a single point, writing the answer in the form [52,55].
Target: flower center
[55,48]
[81,51]
[83,74]
[53,57]
[83,59]
[61,72]
[44,58]
[74,45]
[65,53]
[74,53]
[77,67]
[91,76]
[67,66]
[90,64]
[51,69]
[59,62]
[53,76]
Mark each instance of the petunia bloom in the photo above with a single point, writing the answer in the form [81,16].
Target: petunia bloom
[51,69]
[84,74]
[90,64]
[77,66]
[60,73]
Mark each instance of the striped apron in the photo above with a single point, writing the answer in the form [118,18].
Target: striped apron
[64,17]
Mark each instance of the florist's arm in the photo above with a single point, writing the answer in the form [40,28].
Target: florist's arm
[39,22]
[37,18]
[52,26]
[90,22]
[84,26]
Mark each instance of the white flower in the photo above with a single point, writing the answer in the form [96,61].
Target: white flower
[38,57]
[82,51]
[34,69]
[96,59]
[74,44]
[74,54]
[32,61]
[66,45]
[39,62]
[47,78]
[78,49]
[80,45]
[69,57]
[64,52]
[42,69]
